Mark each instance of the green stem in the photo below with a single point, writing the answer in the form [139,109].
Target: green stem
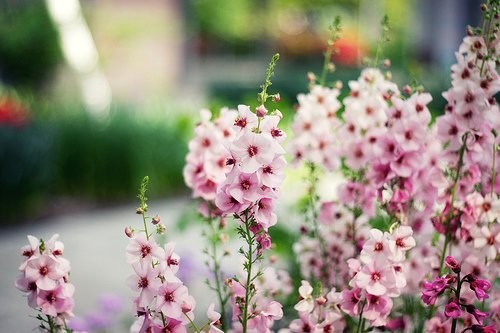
[334,36]
[361,319]
[452,202]
[313,194]
[217,271]
[486,34]
[457,294]
[192,323]
[249,257]
[493,170]
[52,328]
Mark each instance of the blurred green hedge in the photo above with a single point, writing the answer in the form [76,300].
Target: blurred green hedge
[73,155]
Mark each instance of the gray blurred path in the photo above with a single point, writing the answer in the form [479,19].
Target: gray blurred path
[95,244]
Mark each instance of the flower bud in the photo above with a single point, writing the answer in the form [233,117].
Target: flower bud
[261,111]
[139,211]
[129,232]
[338,84]
[311,77]
[272,259]
[407,90]
[276,98]
[387,63]
[320,300]
[452,264]
[155,220]
[160,229]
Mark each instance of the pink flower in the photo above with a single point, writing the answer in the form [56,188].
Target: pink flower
[245,188]
[45,271]
[452,310]
[171,296]
[351,300]
[377,309]
[145,281]
[170,261]
[142,249]
[376,277]
[56,301]
[214,319]
[252,151]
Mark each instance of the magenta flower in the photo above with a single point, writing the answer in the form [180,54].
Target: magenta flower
[452,264]
[479,286]
[478,315]
[452,309]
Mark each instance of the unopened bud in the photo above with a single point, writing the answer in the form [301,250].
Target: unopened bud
[273,259]
[320,300]
[223,238]
[311,77]
[484,7]
[261,111]
[186,307]
[155,220]
[331,67]
[129,232]
[388,75]
[469,31]
[139,211]
[338,84]
[160,229]
[387,63]
[407,90]
[276,98]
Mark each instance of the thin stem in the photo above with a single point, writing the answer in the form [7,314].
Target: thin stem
[486,34]
[457,294]
[452,202]
[313,211]
[383,39]
[493,170]
[192,323]
[249,256]
[263,96]
[217,271]
[330,49]
[51,324]
[361,319]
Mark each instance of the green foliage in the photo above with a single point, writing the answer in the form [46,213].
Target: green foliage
[106,161]
[29,48]
[26,166]
[71,154]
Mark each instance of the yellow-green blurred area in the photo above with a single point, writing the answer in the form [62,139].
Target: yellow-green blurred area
[96,94]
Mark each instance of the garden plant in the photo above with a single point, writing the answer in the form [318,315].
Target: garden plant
[410,244]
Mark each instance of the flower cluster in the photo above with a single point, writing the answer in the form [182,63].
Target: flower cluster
[265,309]
[163,302]
[472,115]
[314,128]
[460,292]
[257,171]
[206,163]
[45,279]
[317,313]
[378,275]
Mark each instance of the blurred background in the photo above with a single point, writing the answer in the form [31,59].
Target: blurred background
[96,94]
